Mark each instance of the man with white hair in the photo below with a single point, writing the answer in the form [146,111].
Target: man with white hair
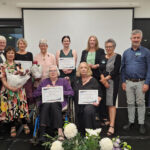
[2,57]
[136,79]
[2,47]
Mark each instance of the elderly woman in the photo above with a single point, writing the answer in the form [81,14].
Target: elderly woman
[13,100]
[45,59]
[85,114]
[24,55]
[66,52]
[109,72]
[51,113]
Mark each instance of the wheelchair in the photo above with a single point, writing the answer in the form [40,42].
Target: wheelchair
[68,116]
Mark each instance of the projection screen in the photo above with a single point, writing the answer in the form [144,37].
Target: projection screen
[79,24]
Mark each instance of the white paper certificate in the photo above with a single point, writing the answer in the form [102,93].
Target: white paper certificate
[88,96]
[26,65]
[52,94]
[66,63]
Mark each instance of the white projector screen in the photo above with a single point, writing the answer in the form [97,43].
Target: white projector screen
[79,24]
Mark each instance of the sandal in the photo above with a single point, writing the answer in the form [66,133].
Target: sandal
[110,133]
[61,138]
[105,122]
[13,132]
[26,129]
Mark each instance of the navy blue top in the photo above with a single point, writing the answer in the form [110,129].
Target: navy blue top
[136,64]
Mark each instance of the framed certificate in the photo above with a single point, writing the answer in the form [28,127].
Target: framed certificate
[52,94]
[26,65]
[66,63]
[88,96]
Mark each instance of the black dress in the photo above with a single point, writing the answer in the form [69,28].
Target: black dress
[85,114]
[111,67]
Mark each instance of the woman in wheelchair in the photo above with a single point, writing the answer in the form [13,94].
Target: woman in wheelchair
[51,113]
[85,114]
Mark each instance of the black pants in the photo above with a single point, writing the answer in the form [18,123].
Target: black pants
[86,117]
[51,115]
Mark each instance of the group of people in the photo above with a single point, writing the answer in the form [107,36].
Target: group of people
[99,70]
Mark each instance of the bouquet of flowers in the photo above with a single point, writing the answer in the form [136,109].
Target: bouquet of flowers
[17,78]
[36,70]
[74,141]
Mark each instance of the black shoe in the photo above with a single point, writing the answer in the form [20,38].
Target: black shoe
[128,126]
[142,129]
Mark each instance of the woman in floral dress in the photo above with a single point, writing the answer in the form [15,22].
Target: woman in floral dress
[13,103]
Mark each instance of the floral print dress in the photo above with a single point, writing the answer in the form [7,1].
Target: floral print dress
[13,105]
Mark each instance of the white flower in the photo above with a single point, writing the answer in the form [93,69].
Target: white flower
[93,132]
[70,131]
[57,145]
[106,144]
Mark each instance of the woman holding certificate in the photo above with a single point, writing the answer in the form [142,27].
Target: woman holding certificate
[109,72]
[66,59]
[87,97]
[23,55]
[51,109]
[13,102]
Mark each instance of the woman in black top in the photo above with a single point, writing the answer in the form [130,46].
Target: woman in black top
[23,55]
[85,114]
[109,73]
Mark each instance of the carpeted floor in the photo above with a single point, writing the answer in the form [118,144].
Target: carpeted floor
[137,141]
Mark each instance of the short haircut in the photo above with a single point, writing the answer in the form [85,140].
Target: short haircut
[22,40]
[111,41]
[89,72]
[43,41]
[54,66]
[65,36]
[8,49]
[2,38]
[137,31]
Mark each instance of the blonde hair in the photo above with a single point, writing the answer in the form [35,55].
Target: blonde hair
[89,72]
[43,41]
[96,43]
[22,40]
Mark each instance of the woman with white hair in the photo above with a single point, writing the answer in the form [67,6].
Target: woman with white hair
[51,113]
[45,59]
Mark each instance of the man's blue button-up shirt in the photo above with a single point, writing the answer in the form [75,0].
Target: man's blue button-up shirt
[136,64]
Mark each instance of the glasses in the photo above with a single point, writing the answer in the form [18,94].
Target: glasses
[53,71]
[108,47]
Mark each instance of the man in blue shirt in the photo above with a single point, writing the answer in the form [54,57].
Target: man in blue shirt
[135,71]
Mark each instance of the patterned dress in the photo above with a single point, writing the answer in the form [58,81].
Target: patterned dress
[13,105]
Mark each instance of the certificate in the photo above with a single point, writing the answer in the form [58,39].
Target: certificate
[52,94]
[66,63]
[26,65]
[88,96]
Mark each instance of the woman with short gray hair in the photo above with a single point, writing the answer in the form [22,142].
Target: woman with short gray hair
[109,74]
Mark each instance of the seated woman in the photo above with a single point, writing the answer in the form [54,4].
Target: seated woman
[51,113]
[109,72]
[85,114]
[13,102]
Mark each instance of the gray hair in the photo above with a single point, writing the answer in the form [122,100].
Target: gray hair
[54,66]
[22,40]
[111,41]
[43,41]
[137,31]
[2,38]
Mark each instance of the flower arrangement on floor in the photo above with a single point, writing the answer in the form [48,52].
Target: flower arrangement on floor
[92,141]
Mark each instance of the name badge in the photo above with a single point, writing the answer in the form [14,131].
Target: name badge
[137,54]
[103,62]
